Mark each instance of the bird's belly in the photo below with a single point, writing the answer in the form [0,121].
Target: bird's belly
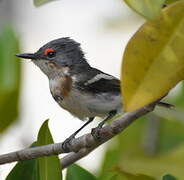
[83,105]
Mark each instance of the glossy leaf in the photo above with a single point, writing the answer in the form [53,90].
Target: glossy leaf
[49,167]
[153,60]
[41,2]
[169,177]
[9,78]
[75,172]
[41,168]
[147,8]
[25,170]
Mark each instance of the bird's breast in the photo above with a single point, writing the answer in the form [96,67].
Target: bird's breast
[82,104]
[61,86]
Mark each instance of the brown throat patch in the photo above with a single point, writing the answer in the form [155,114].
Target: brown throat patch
[66,85]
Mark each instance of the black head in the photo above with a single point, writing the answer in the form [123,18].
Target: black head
[64,52]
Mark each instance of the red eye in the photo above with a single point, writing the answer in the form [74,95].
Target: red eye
[49,52]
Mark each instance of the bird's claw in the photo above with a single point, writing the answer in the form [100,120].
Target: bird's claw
[95,132]
[67,143]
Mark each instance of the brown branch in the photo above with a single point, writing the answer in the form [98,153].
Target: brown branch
[80,146]
[106,133]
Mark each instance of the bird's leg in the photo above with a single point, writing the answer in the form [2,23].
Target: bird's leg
[76,132]
[67,141]
[95,131]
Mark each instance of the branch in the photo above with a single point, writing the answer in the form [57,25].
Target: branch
[106,133]
[80,146]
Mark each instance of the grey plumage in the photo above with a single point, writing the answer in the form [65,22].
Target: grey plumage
[68,53]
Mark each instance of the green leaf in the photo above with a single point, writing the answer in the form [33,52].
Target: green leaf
[153,59]
[171,1]
[115,177]
[167,140]
[130,176]
[41,2]
[127,151]
[9,78]
[120,174]
[169,177]
[126,144]
[75,172]
[147,8]
[49,167]
[25,170]
[42,168]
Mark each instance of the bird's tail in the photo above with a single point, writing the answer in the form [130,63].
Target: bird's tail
[166,105]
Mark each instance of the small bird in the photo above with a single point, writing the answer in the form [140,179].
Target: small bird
[77,87]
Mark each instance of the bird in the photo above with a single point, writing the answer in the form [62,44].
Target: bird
[76,86]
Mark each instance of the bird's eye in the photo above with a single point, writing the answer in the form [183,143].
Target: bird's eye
[50,52]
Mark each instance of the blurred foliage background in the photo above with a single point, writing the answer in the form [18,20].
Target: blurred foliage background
[9,78]
[151,148]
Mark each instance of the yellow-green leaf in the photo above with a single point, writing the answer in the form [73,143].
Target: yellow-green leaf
[131,176]
[41,2]
[120,174]
[128,152]
[171,1]
[147,8]
[49,167]
[153,61]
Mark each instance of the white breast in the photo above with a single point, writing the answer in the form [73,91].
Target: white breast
[54,86]
[83,105]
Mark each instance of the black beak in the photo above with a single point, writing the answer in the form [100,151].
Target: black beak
[26,56]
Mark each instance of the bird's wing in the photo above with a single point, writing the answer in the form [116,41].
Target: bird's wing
[99,82]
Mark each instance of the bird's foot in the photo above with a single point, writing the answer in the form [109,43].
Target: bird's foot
[95,132]
[67,143]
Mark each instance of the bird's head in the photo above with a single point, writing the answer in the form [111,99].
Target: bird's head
[58,56]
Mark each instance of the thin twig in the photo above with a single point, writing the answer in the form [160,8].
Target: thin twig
[80,146]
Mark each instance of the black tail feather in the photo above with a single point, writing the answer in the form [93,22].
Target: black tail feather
[166,105]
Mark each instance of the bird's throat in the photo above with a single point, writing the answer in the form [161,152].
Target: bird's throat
[51,69]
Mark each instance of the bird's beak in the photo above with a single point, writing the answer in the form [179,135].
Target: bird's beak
[26,56]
